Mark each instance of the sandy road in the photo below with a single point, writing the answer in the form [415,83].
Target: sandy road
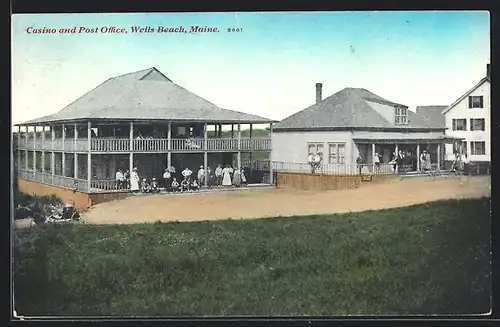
[260,203]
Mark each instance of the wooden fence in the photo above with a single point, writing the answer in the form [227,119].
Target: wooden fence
[307,181]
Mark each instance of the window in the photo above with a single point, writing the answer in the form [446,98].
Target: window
[477,124]
[478,148]
[475,101]
[401,116]
[459,124]
[181,130]
[314,148]
[336,153]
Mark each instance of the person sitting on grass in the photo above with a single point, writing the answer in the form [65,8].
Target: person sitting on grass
[154,186]
[175,185]
[194,185]
[145,187]
[185,185]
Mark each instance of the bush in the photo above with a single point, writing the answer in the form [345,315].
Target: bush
[24,199]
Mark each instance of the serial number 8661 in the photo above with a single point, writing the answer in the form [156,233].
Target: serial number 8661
[231,30]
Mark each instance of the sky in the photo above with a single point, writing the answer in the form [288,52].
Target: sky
[269,68]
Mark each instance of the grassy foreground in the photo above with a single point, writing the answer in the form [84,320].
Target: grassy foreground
[425,259]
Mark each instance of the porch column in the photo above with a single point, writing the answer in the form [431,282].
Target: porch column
[63,149]
[75,155]
[271,173]
[34,149]
[439,156]
[373,157]
[205,155]
[131,145]
[26,149]
[169,145]
[232,131]
[418,157]
[43,152]
[220,130]
[18,149]
[89,156]
[251,149]
[52,154]
[238,160]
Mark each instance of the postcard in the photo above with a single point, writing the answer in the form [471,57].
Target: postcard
[251,164]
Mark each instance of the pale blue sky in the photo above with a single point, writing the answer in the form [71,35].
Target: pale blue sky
[269,69]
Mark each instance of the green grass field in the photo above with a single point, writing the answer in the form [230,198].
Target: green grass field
[425,259]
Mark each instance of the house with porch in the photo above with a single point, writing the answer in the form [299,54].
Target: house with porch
[141,119]
[353,122]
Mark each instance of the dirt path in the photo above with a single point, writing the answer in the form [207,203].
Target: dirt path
[271,203]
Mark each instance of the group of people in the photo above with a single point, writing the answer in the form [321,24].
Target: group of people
[186,182]
[314,161]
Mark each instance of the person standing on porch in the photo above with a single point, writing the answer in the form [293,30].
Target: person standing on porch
[237,178]
[226,181]
[209,176]
[201,175]
[167,178]
[186,173]
[310,160]
[134,180]
[218,175]
[360,162]
[376,162]
[427,160]
[422,160]
[126,178]
[243,177]
[119,179]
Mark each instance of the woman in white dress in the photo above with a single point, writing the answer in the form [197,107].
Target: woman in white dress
[237,177]
[226,180]
[134,181]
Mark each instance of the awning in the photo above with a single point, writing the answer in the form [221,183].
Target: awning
[447,139]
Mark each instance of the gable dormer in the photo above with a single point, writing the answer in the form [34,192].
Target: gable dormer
[400,116]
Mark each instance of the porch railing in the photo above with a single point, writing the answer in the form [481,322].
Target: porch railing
[147,145]
[54,180]
[334,169]
[97,186]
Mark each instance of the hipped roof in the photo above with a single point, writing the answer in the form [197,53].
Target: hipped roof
[145,95]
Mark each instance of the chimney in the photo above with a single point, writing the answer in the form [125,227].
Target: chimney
[319,87]
[488,70]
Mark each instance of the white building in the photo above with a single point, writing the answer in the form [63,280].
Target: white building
[469,118]
[354,122]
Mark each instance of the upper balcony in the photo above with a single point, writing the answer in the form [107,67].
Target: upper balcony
[151,145]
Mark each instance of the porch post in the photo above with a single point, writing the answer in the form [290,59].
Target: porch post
[52,154]
[26,149]
[205,155]
[18,149]
[63,150]
[75,155]
[169,145]
[418,157]
[373,157]
[271,173]
[43,152]
[438,156]
[220,130]
[232,131]
[397,154]
[34,149]
[131,145]
[251,149]
[239,147]
[89,156]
